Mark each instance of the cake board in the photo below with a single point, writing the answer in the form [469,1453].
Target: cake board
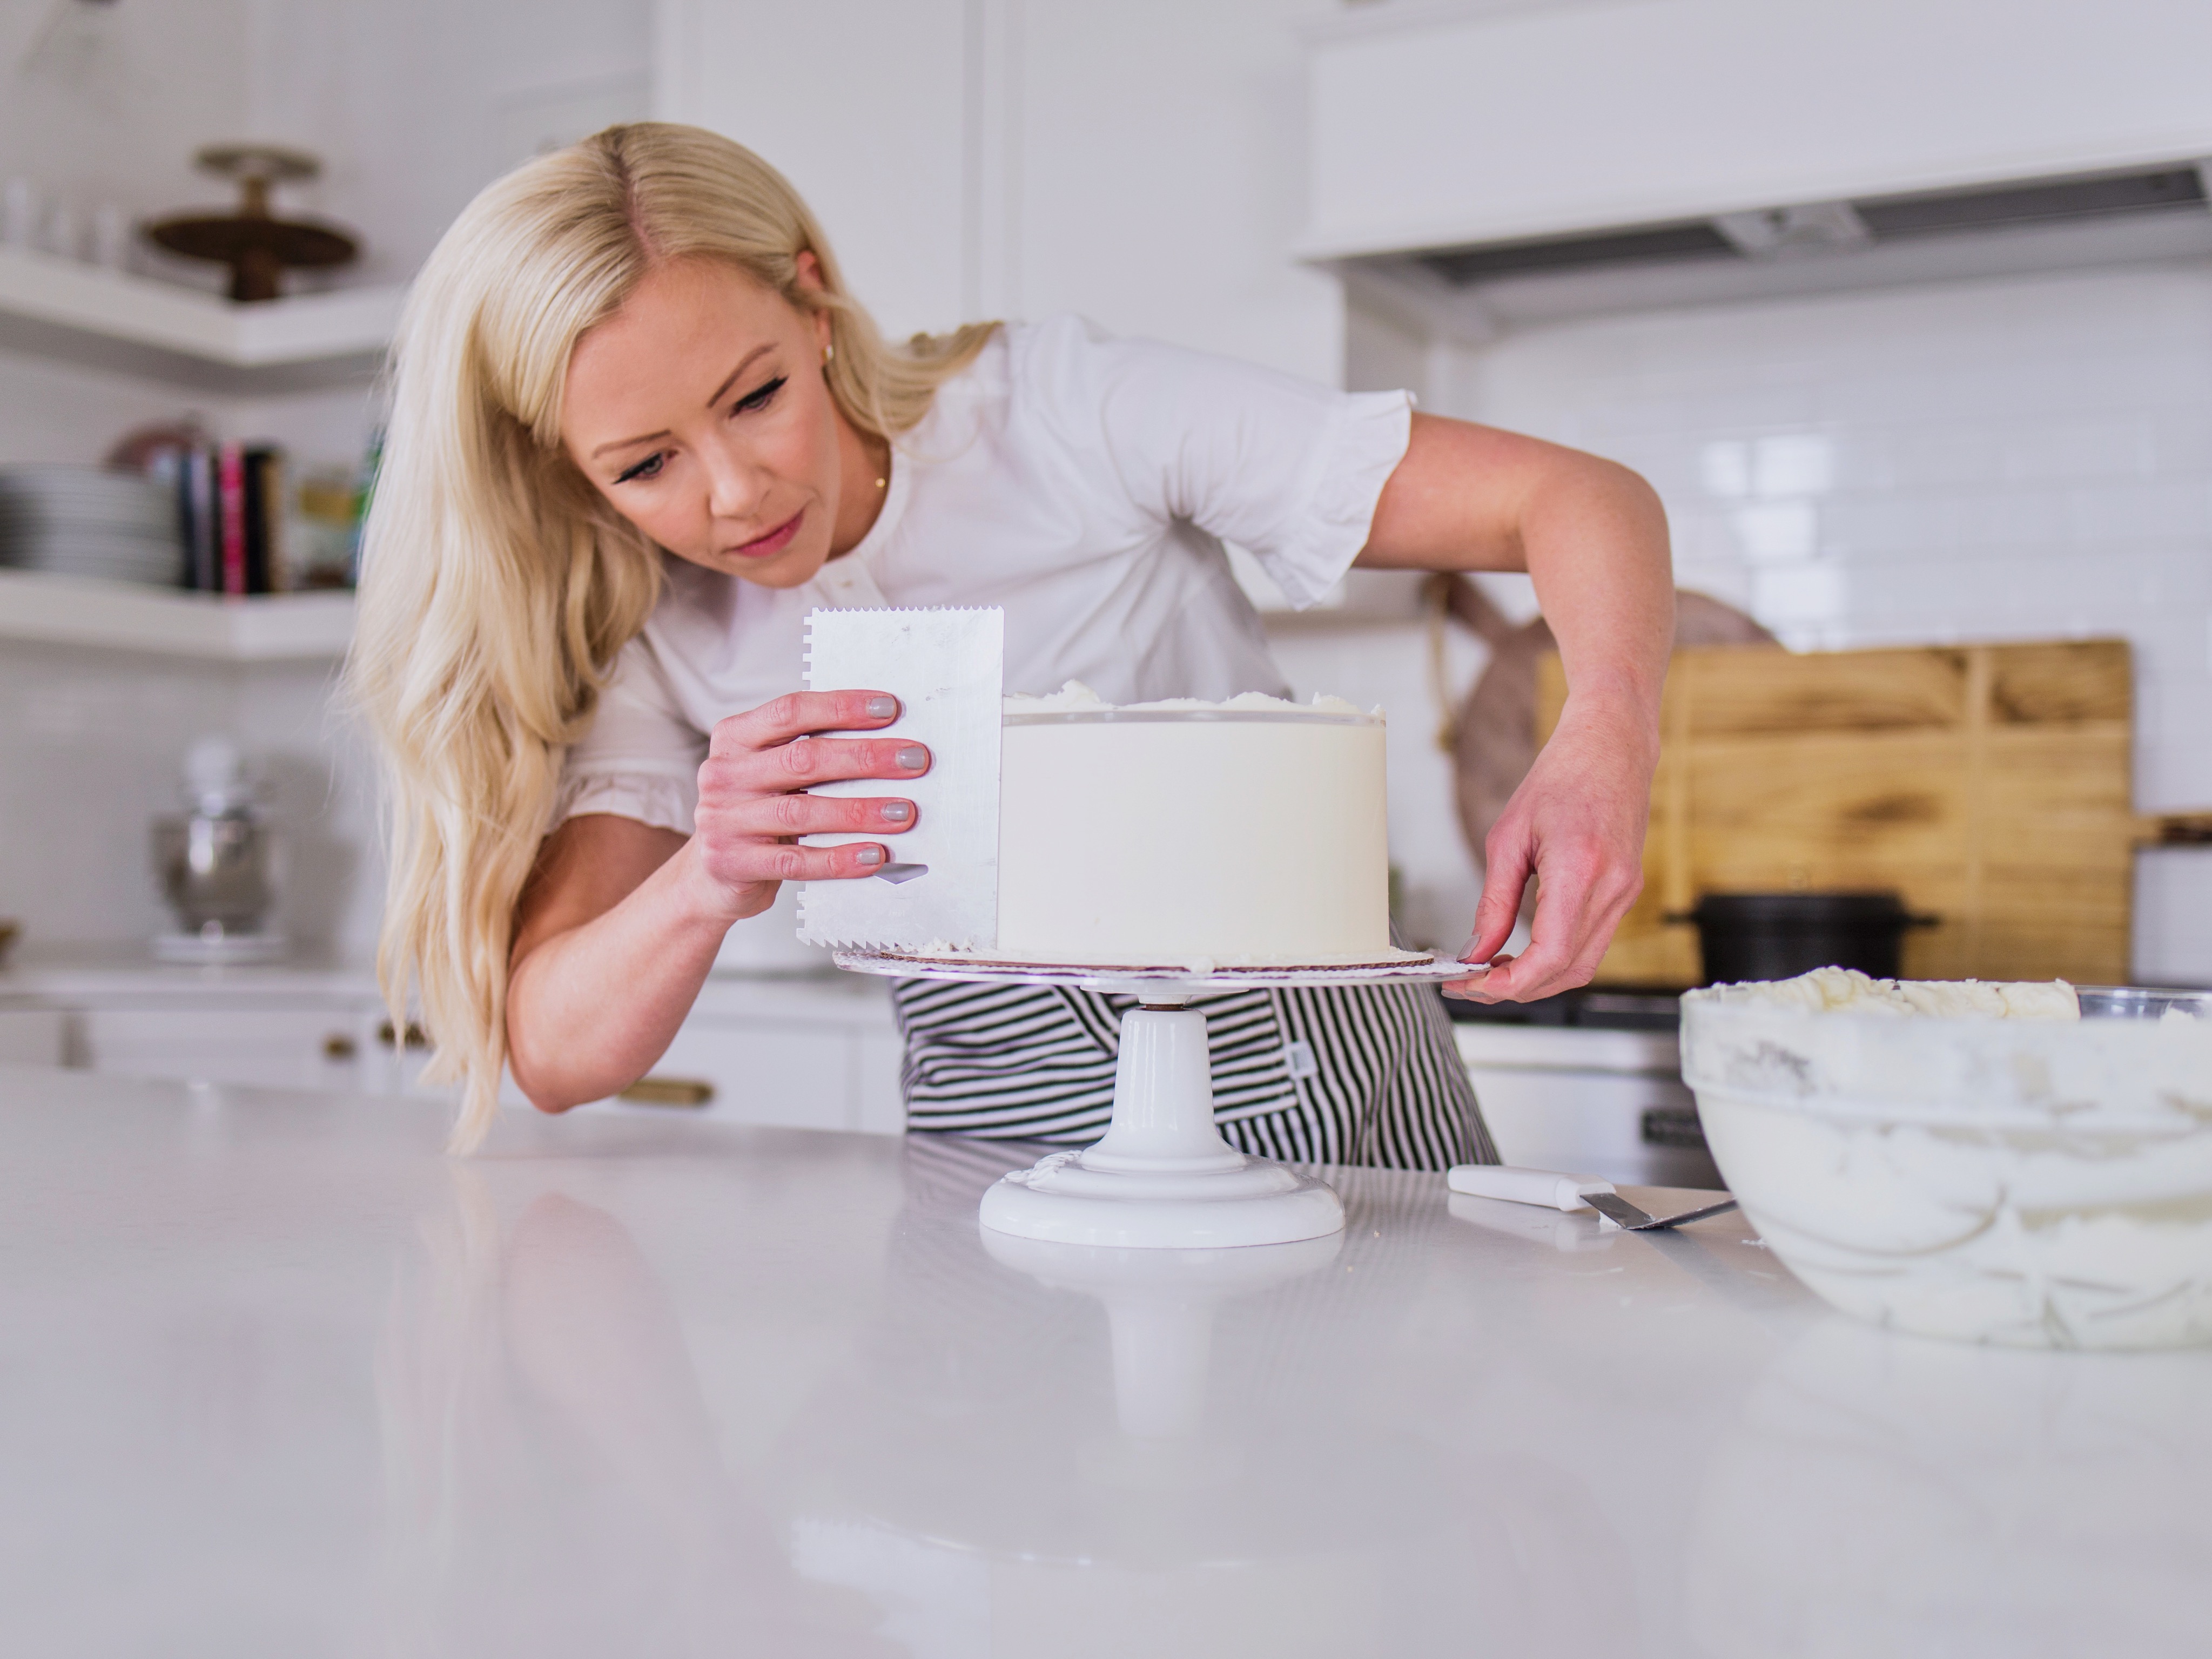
[1163,1178]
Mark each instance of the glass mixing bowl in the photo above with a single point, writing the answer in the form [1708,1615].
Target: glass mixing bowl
[2041,1183]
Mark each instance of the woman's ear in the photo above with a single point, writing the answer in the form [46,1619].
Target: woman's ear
[808,272]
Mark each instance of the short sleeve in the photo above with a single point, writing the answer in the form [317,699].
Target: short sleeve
[641,759]
[1287,468]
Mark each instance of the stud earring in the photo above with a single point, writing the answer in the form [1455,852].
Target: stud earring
[828,353]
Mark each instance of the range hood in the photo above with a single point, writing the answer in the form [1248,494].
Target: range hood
[1497,163]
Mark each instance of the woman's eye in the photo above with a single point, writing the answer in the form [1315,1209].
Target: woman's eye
[759,399]
[647,468]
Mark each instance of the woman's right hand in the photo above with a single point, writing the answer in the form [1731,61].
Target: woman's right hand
[753,803]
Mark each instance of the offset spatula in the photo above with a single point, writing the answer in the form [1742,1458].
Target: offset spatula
[1623,1214]
[1568,1192]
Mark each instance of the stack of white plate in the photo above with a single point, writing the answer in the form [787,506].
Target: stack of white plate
[87,521]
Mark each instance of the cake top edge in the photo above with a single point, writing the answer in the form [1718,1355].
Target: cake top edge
[1077,698]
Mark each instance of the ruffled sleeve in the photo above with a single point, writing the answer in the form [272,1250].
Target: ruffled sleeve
[1317,546]
[641,759]
[1288,468]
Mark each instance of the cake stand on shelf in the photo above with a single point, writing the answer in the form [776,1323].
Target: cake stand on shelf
[1163,1178]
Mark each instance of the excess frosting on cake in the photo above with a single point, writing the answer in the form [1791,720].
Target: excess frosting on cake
[1249,832]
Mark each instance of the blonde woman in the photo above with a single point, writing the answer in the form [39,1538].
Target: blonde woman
[640,428]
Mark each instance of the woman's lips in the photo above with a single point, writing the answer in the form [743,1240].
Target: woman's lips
[773,542]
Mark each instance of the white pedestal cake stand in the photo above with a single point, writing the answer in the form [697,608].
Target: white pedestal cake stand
[1162,1178]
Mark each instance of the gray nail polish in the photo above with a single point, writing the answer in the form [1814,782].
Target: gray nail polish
[869,855]
[914,759]
[882,708]
[897,812]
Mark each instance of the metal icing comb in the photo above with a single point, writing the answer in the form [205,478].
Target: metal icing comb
[947,670]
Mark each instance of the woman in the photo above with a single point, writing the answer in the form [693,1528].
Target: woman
[640,428]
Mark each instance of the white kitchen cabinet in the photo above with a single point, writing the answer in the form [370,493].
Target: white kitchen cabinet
[1586,1102]
[1435,127]
[1137,163]
[326,1049]
[803,1055]
[812,1051]
[31,1037]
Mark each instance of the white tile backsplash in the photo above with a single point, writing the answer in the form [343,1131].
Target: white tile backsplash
[1994,459]
[2028,458]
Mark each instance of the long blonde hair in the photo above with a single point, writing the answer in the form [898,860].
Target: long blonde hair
[497,585]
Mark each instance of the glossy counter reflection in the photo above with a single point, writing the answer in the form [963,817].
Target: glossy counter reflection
[278,1379]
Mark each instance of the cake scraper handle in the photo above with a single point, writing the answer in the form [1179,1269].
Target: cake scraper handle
[1517,1186]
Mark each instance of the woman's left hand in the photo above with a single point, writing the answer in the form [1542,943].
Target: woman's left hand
[1576,823]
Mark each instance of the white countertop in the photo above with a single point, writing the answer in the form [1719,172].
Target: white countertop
[278,1379]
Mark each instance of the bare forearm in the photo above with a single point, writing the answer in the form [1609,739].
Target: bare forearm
[1591,533]
[1594,537]
[591,1008]
[1595,541]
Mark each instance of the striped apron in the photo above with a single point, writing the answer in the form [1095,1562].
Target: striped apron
[1343,1074]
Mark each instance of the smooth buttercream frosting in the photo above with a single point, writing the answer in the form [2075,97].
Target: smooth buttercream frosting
[1182,841]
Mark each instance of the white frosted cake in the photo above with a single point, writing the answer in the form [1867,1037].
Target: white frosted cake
[1251,832]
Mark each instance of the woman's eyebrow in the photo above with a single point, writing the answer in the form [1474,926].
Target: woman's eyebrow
[744,364]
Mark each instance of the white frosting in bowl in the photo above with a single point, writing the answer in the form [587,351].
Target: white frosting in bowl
[1970,1160]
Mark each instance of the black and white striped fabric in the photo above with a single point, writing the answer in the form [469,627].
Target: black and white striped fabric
[1343,1074]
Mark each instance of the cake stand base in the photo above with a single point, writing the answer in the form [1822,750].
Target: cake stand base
[1162,1178]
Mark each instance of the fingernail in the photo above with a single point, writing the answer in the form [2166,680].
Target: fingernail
[869,855]
[897,812]
[882,708]
[914,759]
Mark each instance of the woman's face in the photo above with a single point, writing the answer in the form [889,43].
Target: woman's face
[699,410]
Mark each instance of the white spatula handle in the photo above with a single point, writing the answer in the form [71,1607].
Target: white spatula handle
[1545,1186]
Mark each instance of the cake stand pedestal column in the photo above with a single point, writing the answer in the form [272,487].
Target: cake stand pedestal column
[1162,1178]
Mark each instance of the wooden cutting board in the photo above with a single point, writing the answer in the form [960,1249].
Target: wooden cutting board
[1989,784]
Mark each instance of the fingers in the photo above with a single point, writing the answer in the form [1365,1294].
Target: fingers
[780,817]
[1508,864]
[1578,904]
[828,760]
[748,863]
[727,778]
[801,715]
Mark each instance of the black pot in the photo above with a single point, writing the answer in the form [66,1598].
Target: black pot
[1746,936]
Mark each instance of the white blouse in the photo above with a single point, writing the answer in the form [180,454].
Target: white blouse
[1083,484]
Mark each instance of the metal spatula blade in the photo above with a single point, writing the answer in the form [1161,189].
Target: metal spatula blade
[1625,1216]
[946,669]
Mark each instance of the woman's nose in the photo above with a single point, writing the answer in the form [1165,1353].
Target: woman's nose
[733,487]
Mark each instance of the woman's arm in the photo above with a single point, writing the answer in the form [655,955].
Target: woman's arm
[1594,537]
[620,921]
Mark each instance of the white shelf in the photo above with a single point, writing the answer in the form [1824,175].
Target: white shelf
[59,307]
[126,617]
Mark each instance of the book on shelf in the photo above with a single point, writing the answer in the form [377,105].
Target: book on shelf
[230,519]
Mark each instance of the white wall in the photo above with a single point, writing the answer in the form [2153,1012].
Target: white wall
[2012,460]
